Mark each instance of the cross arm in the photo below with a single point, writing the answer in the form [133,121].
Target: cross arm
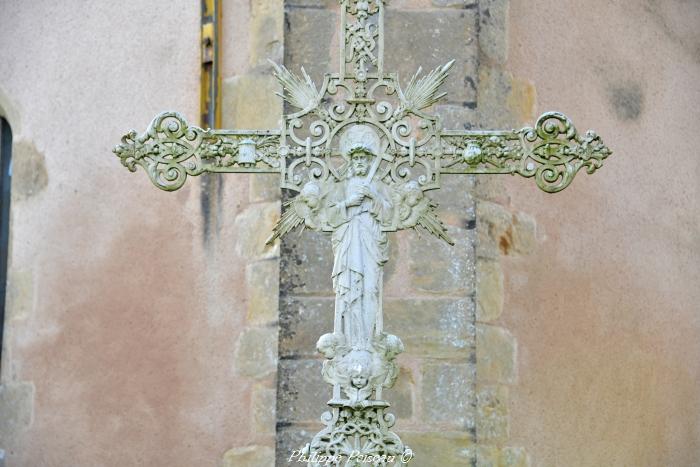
[171,149]
[552,152]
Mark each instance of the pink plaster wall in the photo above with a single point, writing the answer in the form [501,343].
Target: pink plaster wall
[131,317]
[606,309]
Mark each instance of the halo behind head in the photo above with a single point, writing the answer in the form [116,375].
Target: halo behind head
[359,137]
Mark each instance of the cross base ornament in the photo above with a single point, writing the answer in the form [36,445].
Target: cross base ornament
[363,154]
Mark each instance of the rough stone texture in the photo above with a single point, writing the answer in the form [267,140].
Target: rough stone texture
[263,402]
[493,32]
[308,35]
[263,291]
[503,232]
[301,392]
[252,229]
[249,456]
[264,187]
[307,263]
[20,294]
[266,33]
[438,327]
[245,95]
[447,396]
[493,456]
[454,3]
[29,174]
[401,396]
[447,268]
[300,323]
[489,290]
[495,354]
[256,352]
[16,410]
[492,414]
[424,46]
[291,439]
[438,449]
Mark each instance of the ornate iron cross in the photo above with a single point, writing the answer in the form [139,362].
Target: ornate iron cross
[361,152]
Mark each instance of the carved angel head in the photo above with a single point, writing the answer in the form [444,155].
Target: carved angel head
[412,193]
[329,344]
[311,195]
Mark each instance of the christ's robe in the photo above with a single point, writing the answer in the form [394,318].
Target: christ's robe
[360,247]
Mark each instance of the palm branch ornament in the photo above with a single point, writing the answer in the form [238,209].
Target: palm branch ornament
[362,154]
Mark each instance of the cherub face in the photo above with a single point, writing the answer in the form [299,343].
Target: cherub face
[412,194]
[311,195]
[359,161]
[311,200]
[359,381]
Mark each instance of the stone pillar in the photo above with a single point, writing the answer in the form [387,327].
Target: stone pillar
[429,299]
[502,102]
[249,101]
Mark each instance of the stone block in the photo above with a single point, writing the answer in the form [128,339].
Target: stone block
[310,3]
[401,395]
[456,206]
[494,229]
[244,96]
[421,37]
[439,449]
[262,280]
[266,32]
[264,404]
[16,409]
[489,188]
[489,290]
[433,328]
[493,456]
[308,37]
[494,93]
[29,174]
[249,456]
[454,3]
[291,439]
[493,29]
[307,264]
[457,117]
[253,227]
[499,231]
[20,294]
[302,321]
[495,354]
[492,414]
[302,394]
[437,267]
[256,352]
[264,187]
[524,235]
[448,394]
